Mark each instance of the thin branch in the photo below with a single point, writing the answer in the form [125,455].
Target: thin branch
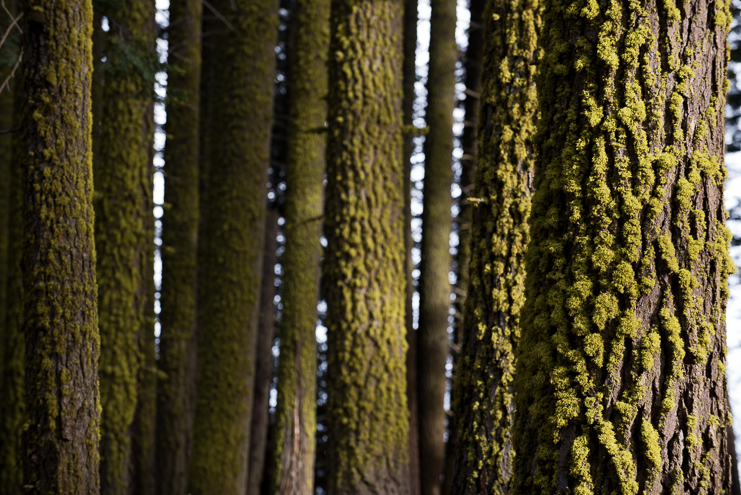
[11,16]
[7,79]
[8,131]
[217,14]
[10,28]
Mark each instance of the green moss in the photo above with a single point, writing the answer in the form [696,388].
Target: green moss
[296,408]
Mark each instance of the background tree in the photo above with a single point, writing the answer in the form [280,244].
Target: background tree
[621,366]
[483,394]
[123,233]
[434,286]
[296,409]
[231,239]
[364,259]
[60,445]
[177,344]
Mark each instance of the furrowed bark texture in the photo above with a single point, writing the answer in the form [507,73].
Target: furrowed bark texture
[123,237]
[434,286]
[60,443]
[364,260]
[264,358]
[295,438]
[231,237]
[472,65]
[483,394]
[12,399]
[177,345]
[409,78]
[621,371]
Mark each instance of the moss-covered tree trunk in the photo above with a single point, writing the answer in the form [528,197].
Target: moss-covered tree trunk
[296,409]
[60,443]
[364,260]
[409,78]
[177,345]
[621,370]
[231,241]
[12,400]
[123,212]
[264,359]
[483,394]
[434,287]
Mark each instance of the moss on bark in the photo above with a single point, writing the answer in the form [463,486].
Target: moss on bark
[60,443]
[177,344]
[231,241]
[364,260]
[296,410]
[621,375]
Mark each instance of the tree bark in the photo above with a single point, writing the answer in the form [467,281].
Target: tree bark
[177,345]
[231,237]
[621,370]
[295,438]
[60,327]
[483,394]
[409,95]
[434,286]
[123,238]
[264,360]
[364,260]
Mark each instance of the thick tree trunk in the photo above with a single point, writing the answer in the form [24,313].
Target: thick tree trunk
[483,392]
[434,286]
[409,68]
[123,212]
[364,260]
[472,65]
[231,238]
[12,400]
[60,453]
[177,345]
[621,370]
[264,358]
[295,438]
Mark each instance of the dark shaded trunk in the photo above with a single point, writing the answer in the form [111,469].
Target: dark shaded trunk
[409,69]
[123,233]
[295,432]
[177,345]
[367,416]
[621,367]
[264,359]
[60,324]
[242,46]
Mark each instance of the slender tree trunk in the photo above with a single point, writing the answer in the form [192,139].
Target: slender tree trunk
[483,391]
[123,212]
[231,238]
[12,400]
[364,260]
[434,287]
[264,360]
[177,345]
[409,79]
[60,453]
[472,65]
[297,367]
[621,368]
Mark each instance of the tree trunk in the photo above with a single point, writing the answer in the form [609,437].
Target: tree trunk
[434,286]
[60,325]
[364,260]
[231,238]
[12,400]
[472,65]
[297,367]
[264,359]
[177,344]
[123,239]
[409,79]
[483,391]
[621,367]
